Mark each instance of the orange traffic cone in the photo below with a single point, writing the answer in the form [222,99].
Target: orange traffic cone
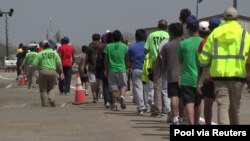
[21,80]
[80,97]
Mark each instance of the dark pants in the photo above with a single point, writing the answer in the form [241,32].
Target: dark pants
[105,89]
[64,85]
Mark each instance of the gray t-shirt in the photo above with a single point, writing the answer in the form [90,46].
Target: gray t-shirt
[171,61]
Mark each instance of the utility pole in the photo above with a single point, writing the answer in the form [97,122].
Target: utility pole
[235,4]
[6,14]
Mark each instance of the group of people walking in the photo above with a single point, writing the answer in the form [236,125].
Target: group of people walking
[173,68]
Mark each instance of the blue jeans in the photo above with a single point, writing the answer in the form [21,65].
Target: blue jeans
[64,85]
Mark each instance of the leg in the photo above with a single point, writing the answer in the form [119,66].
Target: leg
[68,74]
[157,91]
[236,89]
[106,92]
[50,87]
[138,89]
[208,106]
[222,99]
[42,88]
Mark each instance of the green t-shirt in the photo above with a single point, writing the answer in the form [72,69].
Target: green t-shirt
[30,57]
[153,42]
[47,59]
[116,53]
[188,52]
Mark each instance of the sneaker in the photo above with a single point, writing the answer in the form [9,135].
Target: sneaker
[52,104]
[114,107]
[140,112]
[107,105]
[122,102]
[95,101]
[156,115]
[145,110]
[67,93]
[163,114]
[183,121]
[175,121]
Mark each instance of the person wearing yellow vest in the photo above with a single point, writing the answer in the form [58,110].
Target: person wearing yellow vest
[226,52]
[48,62]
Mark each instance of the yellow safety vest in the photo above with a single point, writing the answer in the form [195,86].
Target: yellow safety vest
[146,65]
[226,51]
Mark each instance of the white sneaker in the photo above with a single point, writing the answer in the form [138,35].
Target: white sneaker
[175,120]
[107,105]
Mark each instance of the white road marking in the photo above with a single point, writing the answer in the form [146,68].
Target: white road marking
[9,86]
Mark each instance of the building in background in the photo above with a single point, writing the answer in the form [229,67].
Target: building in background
[243,20]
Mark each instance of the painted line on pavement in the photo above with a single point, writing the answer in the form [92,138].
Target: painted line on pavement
[9,86]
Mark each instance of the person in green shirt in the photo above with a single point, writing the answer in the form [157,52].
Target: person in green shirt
[115,68]
[48,62]
[188,56]
[152,49]
[28,60]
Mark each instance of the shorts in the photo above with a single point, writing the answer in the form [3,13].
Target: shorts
[85,79]
[190,95]
[173,89]
[208,89]
[92,78]
[117,80]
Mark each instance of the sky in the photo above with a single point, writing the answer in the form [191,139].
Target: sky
[79,19]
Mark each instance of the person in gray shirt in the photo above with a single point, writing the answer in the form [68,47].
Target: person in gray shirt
[171,63]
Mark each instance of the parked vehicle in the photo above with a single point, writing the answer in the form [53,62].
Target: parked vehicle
[10,63]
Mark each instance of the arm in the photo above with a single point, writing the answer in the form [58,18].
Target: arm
[106,65]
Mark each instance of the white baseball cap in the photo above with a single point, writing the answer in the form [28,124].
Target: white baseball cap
[204,26]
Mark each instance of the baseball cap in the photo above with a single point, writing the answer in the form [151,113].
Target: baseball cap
[191,19]
[230,13]
[65,39]
[203,26]
[45,42]
[214,21]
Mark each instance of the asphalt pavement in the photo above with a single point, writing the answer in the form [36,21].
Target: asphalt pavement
[23,119]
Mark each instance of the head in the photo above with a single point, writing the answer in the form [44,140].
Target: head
[65,40]
[46,44]
[184,13]
[162,24]
[230,14]
[96,37]
[192,25]
[204,29]
[107,38]
[213,23]
[84,49]
[140,35]
[20,45]
[175,30]
[117,36]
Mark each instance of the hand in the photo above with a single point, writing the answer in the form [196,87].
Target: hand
[61,76]
[106,73]
[199,91]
